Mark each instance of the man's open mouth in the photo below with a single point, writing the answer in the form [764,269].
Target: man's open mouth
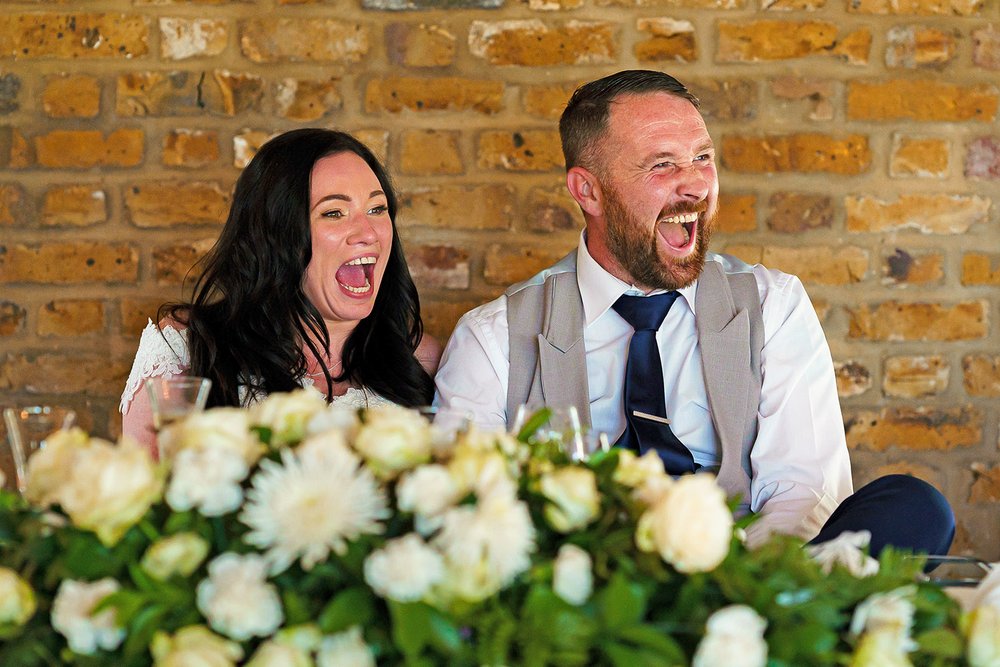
[355,276]
[677,230]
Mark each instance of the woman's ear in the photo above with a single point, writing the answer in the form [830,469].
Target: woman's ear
[586,190]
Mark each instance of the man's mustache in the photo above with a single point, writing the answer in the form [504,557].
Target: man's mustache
[682,208]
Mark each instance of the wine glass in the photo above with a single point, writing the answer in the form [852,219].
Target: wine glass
[27,429]
[173,398]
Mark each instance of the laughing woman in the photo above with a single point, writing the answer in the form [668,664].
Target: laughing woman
[307,285]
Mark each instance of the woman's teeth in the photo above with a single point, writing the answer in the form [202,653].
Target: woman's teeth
[361,260]
[358,290]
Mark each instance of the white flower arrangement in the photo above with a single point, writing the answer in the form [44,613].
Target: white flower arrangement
[296,533]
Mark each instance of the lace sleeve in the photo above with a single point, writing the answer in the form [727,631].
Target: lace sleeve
[161,352]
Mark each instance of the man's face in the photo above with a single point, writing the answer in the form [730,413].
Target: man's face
[659,192]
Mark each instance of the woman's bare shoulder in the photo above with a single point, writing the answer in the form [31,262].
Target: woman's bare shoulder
[428,353]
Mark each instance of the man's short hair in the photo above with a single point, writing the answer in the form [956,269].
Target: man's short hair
[585,118]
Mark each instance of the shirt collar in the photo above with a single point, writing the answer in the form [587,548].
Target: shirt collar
[599,289]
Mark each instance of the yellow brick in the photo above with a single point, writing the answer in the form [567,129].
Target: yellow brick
[917,156]
[919,7]
[986,487]
[530,150]
[915,46]
[428,152]
[71,317]
[551,210]
[172,263]
[915,377]
[458,207]
[915,429]
[74,205]
[65,374]
[853,379]
[807,153]
[69,262]
[670,40]
[895,321]
[441,94]
[270,40]
[167,204]
[755,41]
[182,38]
[506,265]
[135,313]
[548,100]
[794,212]
[737,213]
[11,318]
[980,269]
[534,43]
[926,100]
[420,45]
[12,205]
[32,35]
[438,267]
[89,148]
[929,214]
[902,268]
[190,148]
[307,100]
[981,375]
[72,96]
[820,265]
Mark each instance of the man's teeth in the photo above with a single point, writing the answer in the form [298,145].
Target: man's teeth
[680,219]
[361,260]
[357,290]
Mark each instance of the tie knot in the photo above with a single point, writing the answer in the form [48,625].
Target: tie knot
[645,313]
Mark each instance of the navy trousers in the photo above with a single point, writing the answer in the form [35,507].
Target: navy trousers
[900,511]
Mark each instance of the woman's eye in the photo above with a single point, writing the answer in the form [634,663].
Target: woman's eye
[378,210]
[336,213]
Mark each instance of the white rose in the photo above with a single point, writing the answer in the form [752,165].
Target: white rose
[573,498]
[111,489]
[404,569]
[236,598]
[690,526]
[346,649]
[890,616]
[194,646]
[427,491]
[880,648]
[988,590]
[218,428]
[982,627]
[633,471]
[51,467]
[288,415]
[573,579]
[207,479]
[274,654]
[324,449]
[846,550]
[17,599]
[484,471]
[181,554]
[72,616]
[393,439]
[335,417]
[734,637]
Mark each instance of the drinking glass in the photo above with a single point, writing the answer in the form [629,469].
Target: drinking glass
[173,398]
[560,428]
[27,429]
[446,424]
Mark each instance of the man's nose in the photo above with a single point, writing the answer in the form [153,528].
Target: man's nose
[694,182]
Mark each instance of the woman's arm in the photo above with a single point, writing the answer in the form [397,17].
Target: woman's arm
[428,353]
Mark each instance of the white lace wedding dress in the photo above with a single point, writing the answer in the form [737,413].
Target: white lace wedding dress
[165,352]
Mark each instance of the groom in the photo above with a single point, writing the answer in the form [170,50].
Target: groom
[714,364]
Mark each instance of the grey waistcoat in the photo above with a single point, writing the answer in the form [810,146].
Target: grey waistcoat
[548,361]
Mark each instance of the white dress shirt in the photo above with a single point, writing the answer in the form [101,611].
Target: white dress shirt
[799,461]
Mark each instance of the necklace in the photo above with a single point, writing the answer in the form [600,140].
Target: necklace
[329,369]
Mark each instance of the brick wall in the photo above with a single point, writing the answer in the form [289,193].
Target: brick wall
[859,142]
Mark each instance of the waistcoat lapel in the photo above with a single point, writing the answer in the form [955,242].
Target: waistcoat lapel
[562,357]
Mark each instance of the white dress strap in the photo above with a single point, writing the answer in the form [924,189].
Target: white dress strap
[162,351]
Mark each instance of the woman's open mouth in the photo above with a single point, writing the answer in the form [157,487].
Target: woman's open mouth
[355,276]
[678,230]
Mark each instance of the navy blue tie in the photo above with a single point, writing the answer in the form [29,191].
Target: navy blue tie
[645,409]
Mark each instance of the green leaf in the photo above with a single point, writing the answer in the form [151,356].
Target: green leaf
[941,642]
[534,423]
[653,639]
[354,606]
[296,606]
[127,605]
[141,631]
[411,627]
[622,602]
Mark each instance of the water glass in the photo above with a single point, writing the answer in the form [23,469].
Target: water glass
[173,398]
[560,429]
[27,429]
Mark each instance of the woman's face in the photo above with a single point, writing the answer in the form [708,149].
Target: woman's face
[351,238]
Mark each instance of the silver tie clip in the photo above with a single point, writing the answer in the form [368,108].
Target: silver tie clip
[652,418]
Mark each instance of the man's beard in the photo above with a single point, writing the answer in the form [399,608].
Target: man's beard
[633,243]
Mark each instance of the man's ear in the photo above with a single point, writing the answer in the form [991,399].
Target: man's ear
[586,190]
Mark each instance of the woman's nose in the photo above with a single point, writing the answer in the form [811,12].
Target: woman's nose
[362,232]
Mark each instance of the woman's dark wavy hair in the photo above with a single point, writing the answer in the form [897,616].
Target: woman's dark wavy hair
[249,317]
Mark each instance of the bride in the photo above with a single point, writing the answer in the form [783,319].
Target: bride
[306,286]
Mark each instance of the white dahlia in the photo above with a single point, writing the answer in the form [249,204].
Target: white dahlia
[304,508]
[237,599]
